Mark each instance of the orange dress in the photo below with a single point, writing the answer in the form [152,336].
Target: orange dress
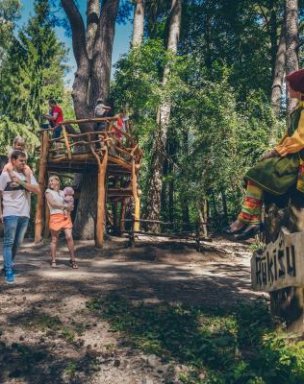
[59,219]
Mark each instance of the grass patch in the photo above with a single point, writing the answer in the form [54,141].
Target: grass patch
[235,347]
[53,326]
[42,322]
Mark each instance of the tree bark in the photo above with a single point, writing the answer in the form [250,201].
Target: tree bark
[102,51]
[93,53]
[163,119]
[273,34]
[292,41]
[92,49]
[279,71]
[138,24]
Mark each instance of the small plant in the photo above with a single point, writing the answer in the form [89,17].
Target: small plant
[70,369]
[257,246]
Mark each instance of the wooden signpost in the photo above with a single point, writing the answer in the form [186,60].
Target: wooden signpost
[279,270]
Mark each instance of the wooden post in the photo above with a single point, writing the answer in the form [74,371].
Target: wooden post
[46,232]
[100,222]
[66,140]
[136,198]
[39,219]
[123,215]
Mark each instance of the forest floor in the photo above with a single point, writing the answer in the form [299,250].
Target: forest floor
[149,314]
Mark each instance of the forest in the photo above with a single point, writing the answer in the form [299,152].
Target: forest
[203,84]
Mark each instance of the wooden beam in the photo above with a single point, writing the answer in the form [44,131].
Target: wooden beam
[135,197]
[39,218]
[118,161]
[122,225]
[92,120]
[66,141]
[100,222]
[46,232]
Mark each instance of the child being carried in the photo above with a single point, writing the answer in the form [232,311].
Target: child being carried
[68,199]
[18,145]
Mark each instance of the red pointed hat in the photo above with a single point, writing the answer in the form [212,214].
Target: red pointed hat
[296,80]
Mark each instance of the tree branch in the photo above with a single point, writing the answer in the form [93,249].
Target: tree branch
[78,31]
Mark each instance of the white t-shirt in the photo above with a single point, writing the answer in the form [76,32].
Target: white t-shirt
[100,110]
[58,197]
[16,199]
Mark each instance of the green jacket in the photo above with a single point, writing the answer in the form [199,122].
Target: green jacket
[277,174]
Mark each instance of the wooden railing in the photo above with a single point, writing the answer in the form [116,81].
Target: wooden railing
[75,145]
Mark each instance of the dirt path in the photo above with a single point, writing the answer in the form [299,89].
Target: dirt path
[49,333]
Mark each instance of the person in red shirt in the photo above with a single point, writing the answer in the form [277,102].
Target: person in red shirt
[118,127]
[55,117]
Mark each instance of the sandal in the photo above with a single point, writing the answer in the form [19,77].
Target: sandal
[73,264]
[53,264]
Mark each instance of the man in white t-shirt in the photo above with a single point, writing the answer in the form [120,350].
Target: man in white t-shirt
[16,201]
[101,110]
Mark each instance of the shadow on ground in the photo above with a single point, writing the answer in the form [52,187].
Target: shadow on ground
[200,316]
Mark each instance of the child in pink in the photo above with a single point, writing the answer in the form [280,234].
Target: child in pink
[69,198]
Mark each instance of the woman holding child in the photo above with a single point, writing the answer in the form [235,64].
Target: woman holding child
[60,206]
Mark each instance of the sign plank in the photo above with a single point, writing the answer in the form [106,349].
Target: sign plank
[281,264]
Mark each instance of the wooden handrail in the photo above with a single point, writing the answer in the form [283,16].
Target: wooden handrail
[90,120]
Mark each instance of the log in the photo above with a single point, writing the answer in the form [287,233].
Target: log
[91,120]
[66,141]
[46,232]
[100,222]
[123,210]
[39,218]
[135,197]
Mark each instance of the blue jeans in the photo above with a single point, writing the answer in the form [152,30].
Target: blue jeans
[14,231]
[57,132]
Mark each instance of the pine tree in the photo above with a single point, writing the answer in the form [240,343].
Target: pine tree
[34,70]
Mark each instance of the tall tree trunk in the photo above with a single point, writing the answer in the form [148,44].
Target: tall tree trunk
[163,119]
[225,208]
[92,49]
[279,71]
[138,24]
[292,40]
[273,28]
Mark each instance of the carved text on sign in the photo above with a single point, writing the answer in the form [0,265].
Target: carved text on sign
[281,264]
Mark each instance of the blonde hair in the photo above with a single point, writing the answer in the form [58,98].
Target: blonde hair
[18,139]
[53,177]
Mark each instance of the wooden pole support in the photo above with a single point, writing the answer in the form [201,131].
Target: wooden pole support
[66,140]
[136,198]
[100,222]
[39,219]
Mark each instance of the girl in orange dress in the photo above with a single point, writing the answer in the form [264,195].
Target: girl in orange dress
[59,220]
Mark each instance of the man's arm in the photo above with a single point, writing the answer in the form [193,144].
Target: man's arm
[52,117]
[28,186]
[1,213]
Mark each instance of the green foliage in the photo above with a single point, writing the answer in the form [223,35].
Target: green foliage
[38,72]
[9,12]
[213,137]
[32,72]
[10,129]
[229,346]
